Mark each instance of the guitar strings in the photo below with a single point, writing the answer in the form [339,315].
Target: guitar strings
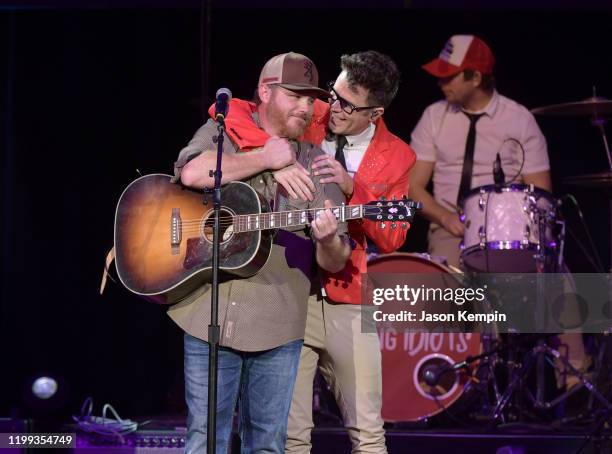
[232,219]
[195,225]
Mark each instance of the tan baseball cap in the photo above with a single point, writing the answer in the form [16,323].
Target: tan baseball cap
[295,72]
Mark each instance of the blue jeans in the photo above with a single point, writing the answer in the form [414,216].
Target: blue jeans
[261,382]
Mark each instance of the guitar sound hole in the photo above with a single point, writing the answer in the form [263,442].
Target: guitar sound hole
[226,226]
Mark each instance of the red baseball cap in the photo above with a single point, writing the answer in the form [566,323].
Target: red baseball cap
[459,53]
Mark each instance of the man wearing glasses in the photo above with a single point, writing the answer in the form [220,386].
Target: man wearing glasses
[367,162]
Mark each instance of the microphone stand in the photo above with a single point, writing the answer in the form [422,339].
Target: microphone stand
[213,328]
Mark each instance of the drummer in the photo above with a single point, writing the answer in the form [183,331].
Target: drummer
[457,139]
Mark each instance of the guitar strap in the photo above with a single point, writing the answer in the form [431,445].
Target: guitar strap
[109,259]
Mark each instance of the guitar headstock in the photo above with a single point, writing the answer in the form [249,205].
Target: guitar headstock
[392,211]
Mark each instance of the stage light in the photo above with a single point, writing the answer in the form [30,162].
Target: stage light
[45,394]
[44,387]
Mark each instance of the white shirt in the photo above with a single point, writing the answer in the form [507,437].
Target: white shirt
[441,133]
[354,150]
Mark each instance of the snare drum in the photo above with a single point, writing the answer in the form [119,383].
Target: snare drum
[407,356]
[506,227]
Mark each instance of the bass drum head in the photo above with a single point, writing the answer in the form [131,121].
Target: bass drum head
[408,356]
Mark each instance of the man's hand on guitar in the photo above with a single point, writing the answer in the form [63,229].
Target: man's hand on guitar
[334,173]
[325,226]
[296,181]
[277,153]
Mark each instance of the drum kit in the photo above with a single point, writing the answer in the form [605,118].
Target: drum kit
[514,228]
[450,378]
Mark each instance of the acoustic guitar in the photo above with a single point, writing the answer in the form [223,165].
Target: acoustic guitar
[163,233]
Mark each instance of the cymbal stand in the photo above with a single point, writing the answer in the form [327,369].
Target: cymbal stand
[544,349]
[545,263]
[602,364]
[599,123]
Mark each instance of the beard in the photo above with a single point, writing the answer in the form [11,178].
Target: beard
[287,124]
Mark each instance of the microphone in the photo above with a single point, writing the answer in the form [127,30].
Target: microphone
[223,97]
[430,375]
[498,173]
[433,373]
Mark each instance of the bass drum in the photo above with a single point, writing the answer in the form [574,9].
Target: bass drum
[408,356]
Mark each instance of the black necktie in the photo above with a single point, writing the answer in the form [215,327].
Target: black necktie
[468,158]
[340,143]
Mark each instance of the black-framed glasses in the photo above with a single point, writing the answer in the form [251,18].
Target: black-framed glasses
[345,105]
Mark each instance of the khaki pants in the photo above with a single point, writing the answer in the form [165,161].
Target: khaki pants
[442,243]
[350,362]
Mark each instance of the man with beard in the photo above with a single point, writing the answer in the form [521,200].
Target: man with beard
[367,162]
[262,318]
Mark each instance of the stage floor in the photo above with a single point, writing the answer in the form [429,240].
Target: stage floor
[166,436]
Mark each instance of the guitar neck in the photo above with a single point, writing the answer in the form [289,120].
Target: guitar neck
[294,218]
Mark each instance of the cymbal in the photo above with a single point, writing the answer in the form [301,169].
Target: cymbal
[598,180]
[591,106]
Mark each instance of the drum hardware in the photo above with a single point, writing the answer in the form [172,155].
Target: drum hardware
[482,203]
[433,375]
[537,357]
[595,107]
[538,402]
[604,419]
[518,371]
[526,235]
[601,366]
[483,236]
[561,225]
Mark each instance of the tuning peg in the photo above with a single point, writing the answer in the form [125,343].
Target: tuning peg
[394,225]
[394,198]
[383,225]
[404,225]
[383,198]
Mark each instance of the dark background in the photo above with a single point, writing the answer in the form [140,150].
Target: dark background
[92,95]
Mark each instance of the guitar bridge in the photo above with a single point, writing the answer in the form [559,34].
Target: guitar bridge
[176,228]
